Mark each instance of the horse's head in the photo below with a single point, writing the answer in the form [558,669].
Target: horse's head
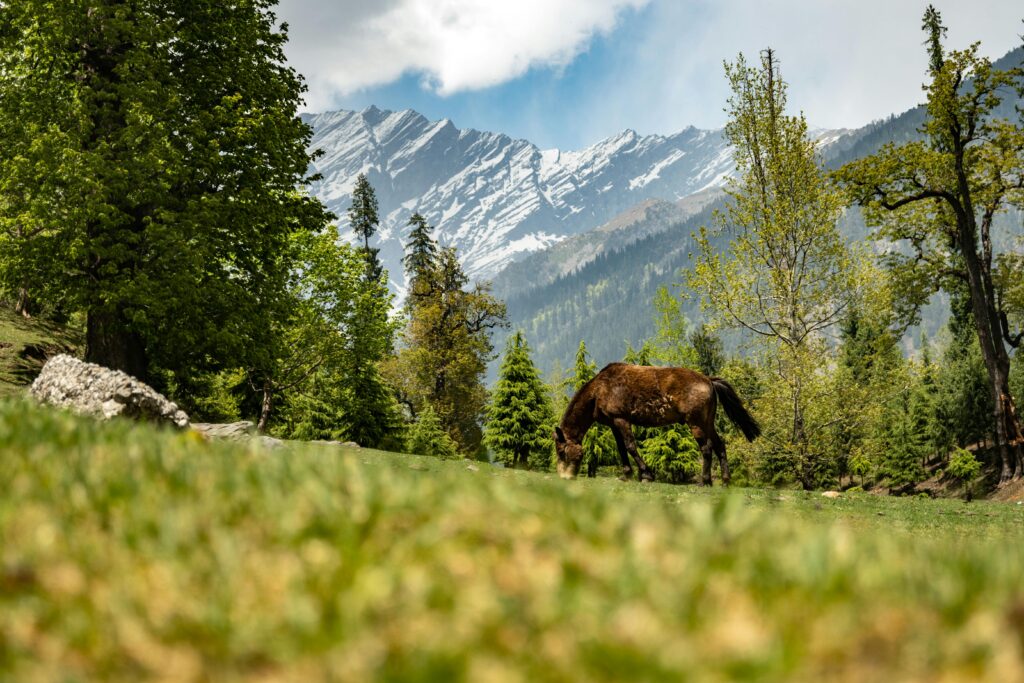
[570,455]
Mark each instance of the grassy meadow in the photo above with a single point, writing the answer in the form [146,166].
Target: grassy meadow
[133,554]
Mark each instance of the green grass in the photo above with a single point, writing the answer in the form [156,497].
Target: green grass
[130,554]
[17,333]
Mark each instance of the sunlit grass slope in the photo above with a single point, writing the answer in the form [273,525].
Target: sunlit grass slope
[24,345]
[131,554]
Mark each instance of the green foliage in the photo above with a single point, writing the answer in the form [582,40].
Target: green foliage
[364,219]
[905,449]
[146,183]
[671,341]
[676,343]
[963,465]
[707,347]
[966,468]
[446,346]
[673,454]
[859,465]
[210,397]
[938,198]
[787,275]
[228,562]
[420,256]
[428,437]
[599,447]
[520,418]
[963,397]
[327,353]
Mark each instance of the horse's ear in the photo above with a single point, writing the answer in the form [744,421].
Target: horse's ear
[559,435]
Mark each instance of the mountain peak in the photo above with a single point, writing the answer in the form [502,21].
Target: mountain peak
[496,198]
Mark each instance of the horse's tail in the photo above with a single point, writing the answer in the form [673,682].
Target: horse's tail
[734,408]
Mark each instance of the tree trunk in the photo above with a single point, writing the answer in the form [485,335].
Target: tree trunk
[109,342]
[21,306]
[1009,441]
[266,407]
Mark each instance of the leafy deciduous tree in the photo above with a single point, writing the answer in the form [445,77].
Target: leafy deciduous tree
[940,197]
[151,152]
[787,277]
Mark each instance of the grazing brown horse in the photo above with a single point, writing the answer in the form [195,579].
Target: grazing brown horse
[623,395]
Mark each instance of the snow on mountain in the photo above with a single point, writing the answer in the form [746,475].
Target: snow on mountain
[493,197]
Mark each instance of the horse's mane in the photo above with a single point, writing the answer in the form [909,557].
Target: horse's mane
[578,396]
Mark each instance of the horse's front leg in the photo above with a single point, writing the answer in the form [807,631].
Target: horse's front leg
[626,430]
[627,469]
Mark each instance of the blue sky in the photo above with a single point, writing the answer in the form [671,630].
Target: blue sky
[566,73]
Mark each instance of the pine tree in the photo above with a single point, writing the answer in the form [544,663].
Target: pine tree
[965,405]
[363,216]
[149,175]
[926,399]
[905,449]
[420,257]
[673,454]
[707,347]
[428,437]
[519,418]
[598,444]
[372,415]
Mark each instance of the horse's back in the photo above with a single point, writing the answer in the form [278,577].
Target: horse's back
[650,395]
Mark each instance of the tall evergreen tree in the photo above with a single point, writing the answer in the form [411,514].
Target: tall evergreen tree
[363,216]
[905,447]
[420,257]
[965,405]
[150,152]
[428,437]
[598,444]
[519,417]
[707,347]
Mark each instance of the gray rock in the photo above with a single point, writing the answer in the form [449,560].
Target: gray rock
[235,431]
[343,444]
[271,443]
[90,389]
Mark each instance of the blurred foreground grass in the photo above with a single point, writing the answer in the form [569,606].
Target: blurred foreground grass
[131,554]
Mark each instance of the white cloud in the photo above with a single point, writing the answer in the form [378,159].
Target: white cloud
[457,45]
[847,61]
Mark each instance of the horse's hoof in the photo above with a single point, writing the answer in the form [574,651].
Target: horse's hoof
[647,477]
[626,476]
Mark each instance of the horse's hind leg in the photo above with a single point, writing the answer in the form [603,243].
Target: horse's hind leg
[704,443]
[723,461]
[627,469]
[626,430]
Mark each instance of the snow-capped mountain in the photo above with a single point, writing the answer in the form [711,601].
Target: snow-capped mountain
[496,198]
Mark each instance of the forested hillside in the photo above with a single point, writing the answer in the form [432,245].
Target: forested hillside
[608,301]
